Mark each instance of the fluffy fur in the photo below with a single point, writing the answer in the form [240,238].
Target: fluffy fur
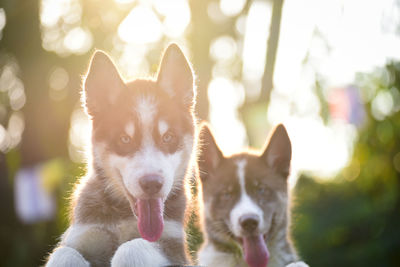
[143,129]
[245,198]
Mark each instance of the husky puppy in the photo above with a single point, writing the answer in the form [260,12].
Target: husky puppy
[129,209]
[245,204]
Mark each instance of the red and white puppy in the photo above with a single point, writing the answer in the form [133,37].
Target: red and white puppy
[245,204]
[129,209]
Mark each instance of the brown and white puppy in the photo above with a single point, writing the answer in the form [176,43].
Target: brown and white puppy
[245,204]
[129,209]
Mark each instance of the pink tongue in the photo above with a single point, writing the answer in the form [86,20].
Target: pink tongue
[255,251]
[150,218]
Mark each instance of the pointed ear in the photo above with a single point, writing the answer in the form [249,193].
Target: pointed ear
[210,156]
[175,76]
[102,84]
[278,152]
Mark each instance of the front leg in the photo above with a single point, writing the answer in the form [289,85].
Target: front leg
[210,256]
[172,243]
[169,250]
[84,245]
[281,250]
[66,257]
[137,253]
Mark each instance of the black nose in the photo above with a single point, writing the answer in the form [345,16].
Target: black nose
[151,184]
[249,222]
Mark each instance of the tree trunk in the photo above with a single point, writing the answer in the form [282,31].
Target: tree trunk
[272,48]
[46,121]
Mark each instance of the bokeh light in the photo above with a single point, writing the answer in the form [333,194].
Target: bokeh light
[229,131]
[79,136]
[231,7]
[61,27]
[13,99]
[254,47]
[58,82]
[141,26]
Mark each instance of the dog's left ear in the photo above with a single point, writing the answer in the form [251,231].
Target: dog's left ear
[278,152]
[175,76]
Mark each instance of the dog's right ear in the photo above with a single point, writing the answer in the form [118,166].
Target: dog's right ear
[102,84]
[210,155]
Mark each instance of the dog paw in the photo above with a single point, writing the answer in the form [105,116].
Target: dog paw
[297,264]
[138,252]
[66,257]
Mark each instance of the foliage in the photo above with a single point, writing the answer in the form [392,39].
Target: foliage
[353,220]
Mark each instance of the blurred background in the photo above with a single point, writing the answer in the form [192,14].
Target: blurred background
[328,69]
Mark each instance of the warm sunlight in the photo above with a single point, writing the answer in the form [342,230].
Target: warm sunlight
[141,26]
[329,35]
[225,97]
[254,46]
[103,161]
[79,136]
[302,47]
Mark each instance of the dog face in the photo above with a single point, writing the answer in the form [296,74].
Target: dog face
[142,133]
[245,195]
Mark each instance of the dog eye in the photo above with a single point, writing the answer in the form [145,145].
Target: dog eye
[168,137]
[125,139]
[262,190]
[226,195]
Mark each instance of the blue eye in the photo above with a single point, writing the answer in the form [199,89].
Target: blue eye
[125,139]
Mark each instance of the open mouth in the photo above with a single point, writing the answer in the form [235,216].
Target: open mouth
[255,250]
[240,239]
[150,219]
[149,213]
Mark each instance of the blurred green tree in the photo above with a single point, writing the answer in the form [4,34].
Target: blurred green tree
[353,220]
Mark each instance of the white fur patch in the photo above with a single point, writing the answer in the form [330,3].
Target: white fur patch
[79,235]
[297,264]
[148,160]
[93,239]
[125,231]
[146,108]
[66,256]
[130,129]
[72,235]
[138,253]
[173,229]
[162,127]
[209,256]
[245,205]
